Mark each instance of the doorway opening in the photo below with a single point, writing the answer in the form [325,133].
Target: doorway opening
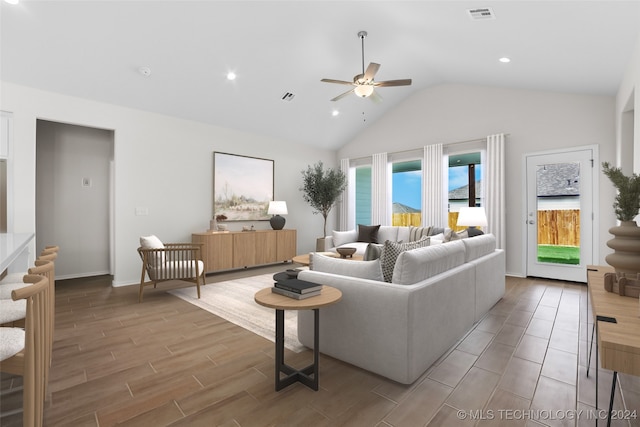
[73,196]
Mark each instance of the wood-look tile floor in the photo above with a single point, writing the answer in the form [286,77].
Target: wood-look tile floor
[167,362]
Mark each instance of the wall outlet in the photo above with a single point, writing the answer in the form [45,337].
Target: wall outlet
[142,211]
[86,182]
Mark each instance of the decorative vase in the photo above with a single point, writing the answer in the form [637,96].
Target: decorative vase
[626,244]
[320,244]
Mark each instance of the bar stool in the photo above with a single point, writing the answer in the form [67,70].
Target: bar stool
[26,351]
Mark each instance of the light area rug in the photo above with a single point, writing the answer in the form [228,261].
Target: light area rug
[233,301]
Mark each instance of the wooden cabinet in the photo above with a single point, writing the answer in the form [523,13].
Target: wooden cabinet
[217,250]
[239,249]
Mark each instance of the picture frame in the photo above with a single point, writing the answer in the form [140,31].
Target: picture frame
[243,186]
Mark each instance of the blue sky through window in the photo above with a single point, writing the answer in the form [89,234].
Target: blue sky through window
[406,186]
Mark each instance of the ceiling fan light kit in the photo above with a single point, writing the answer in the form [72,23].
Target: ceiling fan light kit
[364,82]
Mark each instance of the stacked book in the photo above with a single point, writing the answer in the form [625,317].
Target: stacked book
[298,289]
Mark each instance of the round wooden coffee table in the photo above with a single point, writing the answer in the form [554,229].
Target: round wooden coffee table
[309,375]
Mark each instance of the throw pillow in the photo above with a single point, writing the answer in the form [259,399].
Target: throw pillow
[152,242]
[372,252]
[417,233]
[456,235]
[361,269]
[392,250]
[368,233]
[435,230]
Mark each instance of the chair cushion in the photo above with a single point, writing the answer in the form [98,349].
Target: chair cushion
[176,270]
[344,267]
[392,250]
[11,342]
[13,278]
[7,288]
[368,233]
[11,310]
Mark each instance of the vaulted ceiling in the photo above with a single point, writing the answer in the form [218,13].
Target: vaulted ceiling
[95,49]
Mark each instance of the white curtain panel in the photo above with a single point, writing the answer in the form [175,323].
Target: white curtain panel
[433,205]
[343,204]
[495,186]
[379,194]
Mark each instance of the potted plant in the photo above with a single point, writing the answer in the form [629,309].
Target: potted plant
[321,188]
[626,241]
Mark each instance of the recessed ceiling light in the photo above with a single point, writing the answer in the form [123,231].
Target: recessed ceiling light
[231,75]
[335,113]
[12,1]
[504,60]
[145,71]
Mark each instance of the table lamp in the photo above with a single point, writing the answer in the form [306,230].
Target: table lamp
[277,208]
[472,217]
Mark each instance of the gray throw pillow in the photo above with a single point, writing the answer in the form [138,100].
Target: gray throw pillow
[373,251]
[392,250]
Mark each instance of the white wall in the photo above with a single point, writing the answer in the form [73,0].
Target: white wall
[534,120]
[628,105]
[162,163]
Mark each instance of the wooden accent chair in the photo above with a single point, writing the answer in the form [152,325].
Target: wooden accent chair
[26,351]
[163,262]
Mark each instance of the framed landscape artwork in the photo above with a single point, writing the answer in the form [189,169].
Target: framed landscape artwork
[242,187]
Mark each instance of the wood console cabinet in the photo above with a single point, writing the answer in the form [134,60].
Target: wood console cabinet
[239,249]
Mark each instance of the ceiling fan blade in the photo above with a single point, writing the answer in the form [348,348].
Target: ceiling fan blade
[372,69]
[375,97]
[340,82]
[403,82]
[339,97]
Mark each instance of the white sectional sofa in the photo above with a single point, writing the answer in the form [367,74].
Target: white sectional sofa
[399,329]
[350,238]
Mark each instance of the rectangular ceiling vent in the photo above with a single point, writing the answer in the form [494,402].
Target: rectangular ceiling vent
[288,96]
[481,14]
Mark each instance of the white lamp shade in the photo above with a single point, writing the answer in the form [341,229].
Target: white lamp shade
[363,90]
[277,208]
[472,217]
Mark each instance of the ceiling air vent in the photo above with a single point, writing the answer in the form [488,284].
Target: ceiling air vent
[288,96]
[481,14]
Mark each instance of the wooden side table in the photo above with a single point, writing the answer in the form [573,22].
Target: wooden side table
[309,375]
[617,326]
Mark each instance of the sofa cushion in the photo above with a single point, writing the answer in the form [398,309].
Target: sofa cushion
[387,232]
[479,246]
[392,250]
[403,234]
[342,237]
[344,267]
[415,265]
[368,233]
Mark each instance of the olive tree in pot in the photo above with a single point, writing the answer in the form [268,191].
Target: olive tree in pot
[626,241]
[321,188]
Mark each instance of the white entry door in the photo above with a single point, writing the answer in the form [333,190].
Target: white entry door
[560,213]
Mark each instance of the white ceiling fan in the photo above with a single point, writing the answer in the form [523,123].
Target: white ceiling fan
[364,83]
